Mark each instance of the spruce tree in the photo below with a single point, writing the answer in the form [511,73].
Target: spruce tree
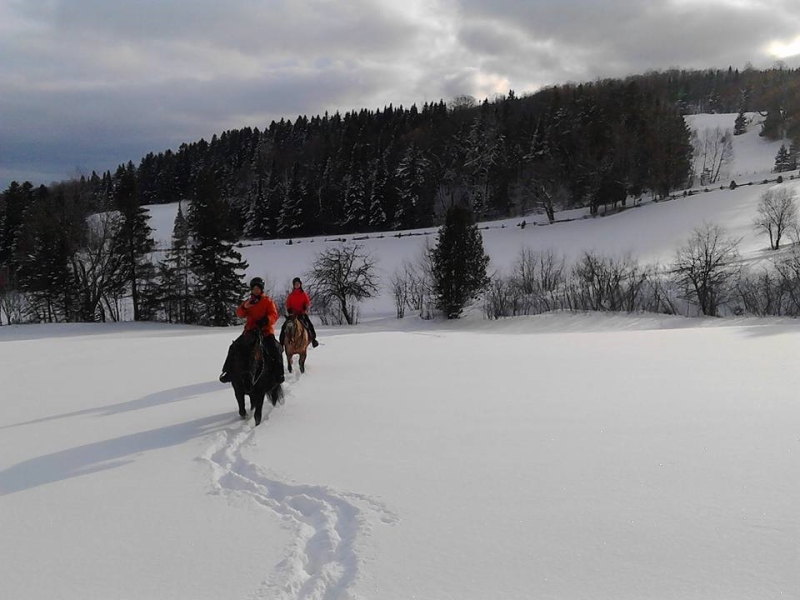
[12,209]
[782,160]
[376,214]
[793,155]
[135,237]
[740,125]
[459,262]
[50,234]
[177,284]
[258,224]
[216,266]
[292,218]
[354,203]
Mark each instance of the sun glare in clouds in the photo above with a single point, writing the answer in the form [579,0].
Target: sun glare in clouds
[784,50]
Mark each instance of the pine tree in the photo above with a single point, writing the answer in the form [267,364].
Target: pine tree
[215,264]
[135,237]
[793,155]
[459,262]
[415,202]
[50,234]
[259,223]
[177,296]
[376,214]
[740,125]
[12,209]
[355,211]
[291,217]
[782,160]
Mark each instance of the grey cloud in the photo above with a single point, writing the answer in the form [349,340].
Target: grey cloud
[624,36]
[91,83]
[275,28]
[99,129]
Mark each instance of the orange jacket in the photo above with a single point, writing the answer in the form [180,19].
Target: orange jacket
[298,302]
[263,310]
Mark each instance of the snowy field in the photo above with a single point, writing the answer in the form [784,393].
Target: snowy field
[597,457]
[552,457]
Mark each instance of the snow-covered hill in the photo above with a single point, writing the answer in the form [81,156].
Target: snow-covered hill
[560,456]
[651,231]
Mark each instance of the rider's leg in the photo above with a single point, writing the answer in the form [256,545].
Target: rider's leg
[225,376]
[275,354]
[283,331]
[311,331]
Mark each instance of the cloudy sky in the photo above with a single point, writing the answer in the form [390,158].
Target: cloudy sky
[88,84]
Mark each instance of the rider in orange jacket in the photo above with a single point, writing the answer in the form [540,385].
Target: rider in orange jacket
[261,313]
[297,304]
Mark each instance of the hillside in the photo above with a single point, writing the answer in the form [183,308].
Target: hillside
[651,231]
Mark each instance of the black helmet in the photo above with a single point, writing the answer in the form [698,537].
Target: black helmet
[257,281]
[297,280]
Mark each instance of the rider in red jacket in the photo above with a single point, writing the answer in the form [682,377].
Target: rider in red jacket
[261,313]
[298,303]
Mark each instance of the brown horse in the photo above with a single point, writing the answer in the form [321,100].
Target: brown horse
[296,341]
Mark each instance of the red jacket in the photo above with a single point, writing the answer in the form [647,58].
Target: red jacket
[298,302]
[263,310]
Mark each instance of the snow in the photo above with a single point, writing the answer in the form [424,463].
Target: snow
[752,154]
[559,456]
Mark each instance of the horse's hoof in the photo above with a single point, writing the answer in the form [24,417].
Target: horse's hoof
[243,415]
[302,369]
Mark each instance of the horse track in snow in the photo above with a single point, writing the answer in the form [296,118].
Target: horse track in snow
[322,563]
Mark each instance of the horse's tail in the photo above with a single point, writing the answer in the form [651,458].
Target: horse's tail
[276,394]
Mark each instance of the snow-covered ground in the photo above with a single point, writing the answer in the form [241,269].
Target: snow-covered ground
[560,456]
[553,457]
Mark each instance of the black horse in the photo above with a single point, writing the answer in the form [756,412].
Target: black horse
[250,374]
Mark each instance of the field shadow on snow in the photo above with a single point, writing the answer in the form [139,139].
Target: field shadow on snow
[160,398]
[100,456]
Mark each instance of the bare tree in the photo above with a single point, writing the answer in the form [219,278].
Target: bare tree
[98,267]
[12,304]
[713,152]
[344,275]
[400,286]
[706,268]
[777,214]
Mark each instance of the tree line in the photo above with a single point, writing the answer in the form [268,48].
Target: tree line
[77,249]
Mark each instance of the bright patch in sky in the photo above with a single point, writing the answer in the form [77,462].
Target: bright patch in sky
[782,50]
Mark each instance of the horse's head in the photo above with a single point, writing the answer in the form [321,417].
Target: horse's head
[296,336]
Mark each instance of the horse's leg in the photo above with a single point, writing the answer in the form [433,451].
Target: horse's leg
[239,393]
[303,361]
[257,398]
[288,360]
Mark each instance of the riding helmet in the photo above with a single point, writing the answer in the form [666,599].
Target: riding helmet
[257,281]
